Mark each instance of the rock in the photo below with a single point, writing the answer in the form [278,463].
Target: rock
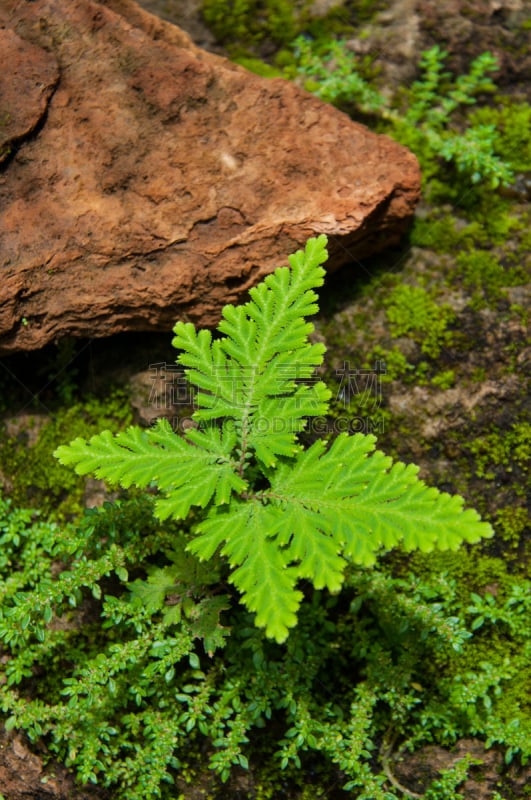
[27,80]
[164,181]
[159,391]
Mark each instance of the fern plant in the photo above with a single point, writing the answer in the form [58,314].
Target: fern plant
[331,71]
[277,511]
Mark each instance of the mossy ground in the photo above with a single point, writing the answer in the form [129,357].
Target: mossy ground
[29,472]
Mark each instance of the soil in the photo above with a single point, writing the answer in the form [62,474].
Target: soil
[23,775]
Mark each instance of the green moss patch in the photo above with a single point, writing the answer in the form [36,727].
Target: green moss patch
[31,473]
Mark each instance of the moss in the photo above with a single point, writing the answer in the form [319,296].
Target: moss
[483,274]
[254,24]
[485,217]
[490,470]
[496,649]
[357,416]
[508,449]
[35,478]
[396,364]
[439,234]
[413,312]
[512,522]
[494,214]
[248,22]
[524,243]
[259,67]
[466,570]
[444,380]
[485,220]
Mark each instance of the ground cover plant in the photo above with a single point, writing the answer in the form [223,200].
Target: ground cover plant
[421,116]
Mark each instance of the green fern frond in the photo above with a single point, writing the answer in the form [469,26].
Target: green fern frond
[366,503]
[190,475]
[329,506]
[252,373]
[243,534]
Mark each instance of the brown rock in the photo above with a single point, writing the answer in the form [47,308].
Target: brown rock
[27,79]
[165,181]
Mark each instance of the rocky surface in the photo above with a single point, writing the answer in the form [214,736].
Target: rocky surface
[467,28]
[416,770]
[163,181]
[25,88]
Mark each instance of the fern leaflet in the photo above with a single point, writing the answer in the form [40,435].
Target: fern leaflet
[189,475]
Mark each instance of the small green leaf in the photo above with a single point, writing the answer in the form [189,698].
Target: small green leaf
[193,660]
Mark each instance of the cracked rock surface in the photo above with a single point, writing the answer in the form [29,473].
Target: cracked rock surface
[148,180]
[25,89]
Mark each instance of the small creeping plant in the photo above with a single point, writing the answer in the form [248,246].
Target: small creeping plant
[277,511]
